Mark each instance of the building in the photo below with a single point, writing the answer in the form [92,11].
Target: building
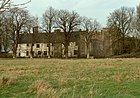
[37,42]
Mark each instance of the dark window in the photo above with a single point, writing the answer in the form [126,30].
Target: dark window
[75,52]
[27,53]
[19,54]
[39,52]
[52,53]
[45,52]
[32,44]
[47,45]
[32,53]
[27,44]
[37,46]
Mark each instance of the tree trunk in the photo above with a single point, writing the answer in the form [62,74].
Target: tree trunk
[49,50]
[49,44]
[87,54]
[87,50]
[0,44]
[0,48]
[14,55]
[123,44]
[66,50]
[31,51]
[14,51]
[15,46]
[66,45]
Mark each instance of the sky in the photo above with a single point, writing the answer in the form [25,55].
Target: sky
[96,9]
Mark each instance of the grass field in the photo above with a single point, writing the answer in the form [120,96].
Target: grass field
[72,78]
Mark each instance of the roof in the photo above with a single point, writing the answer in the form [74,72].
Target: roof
[54,37]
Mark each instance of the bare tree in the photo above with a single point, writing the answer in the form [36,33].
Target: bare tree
[67,21]
[49,24]
[4,4]
[90,26]
[137,22]
[5,34]
[121,20]
[18,18]
[28,27]
[136,27]
[7,4]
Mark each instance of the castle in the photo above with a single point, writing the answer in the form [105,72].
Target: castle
[100,45]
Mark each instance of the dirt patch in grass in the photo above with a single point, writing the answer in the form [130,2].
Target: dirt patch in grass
[7,80]
[42,89]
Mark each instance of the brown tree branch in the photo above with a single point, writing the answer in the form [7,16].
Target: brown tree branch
[7,4]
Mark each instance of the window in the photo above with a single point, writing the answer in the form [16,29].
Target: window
[37,46]
[19,54]
[27,53]
[47,45]
[32,44]
[27,44]
[45,52]
[76,43]
[75,52]
[39,52]
[52,53]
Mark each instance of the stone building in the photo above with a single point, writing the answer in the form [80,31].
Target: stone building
[100,45]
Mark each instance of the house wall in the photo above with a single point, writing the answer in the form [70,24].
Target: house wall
[100,46]
[73,49]
[107,42]
[57,50]
[24,48]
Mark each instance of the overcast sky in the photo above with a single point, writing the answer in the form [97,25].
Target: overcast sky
[96,9]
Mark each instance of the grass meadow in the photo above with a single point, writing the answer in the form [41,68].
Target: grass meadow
[72,78]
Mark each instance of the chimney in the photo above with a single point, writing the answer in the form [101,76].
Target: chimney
[35,29]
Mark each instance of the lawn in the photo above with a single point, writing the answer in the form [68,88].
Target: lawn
[72,78]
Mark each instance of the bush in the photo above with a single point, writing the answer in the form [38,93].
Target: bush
[6,55]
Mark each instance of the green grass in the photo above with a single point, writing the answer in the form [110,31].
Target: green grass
[72,78]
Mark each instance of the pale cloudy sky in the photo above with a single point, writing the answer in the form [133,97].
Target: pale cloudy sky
[96,9]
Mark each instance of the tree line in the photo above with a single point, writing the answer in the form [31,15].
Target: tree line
[123,22]
[125,25]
